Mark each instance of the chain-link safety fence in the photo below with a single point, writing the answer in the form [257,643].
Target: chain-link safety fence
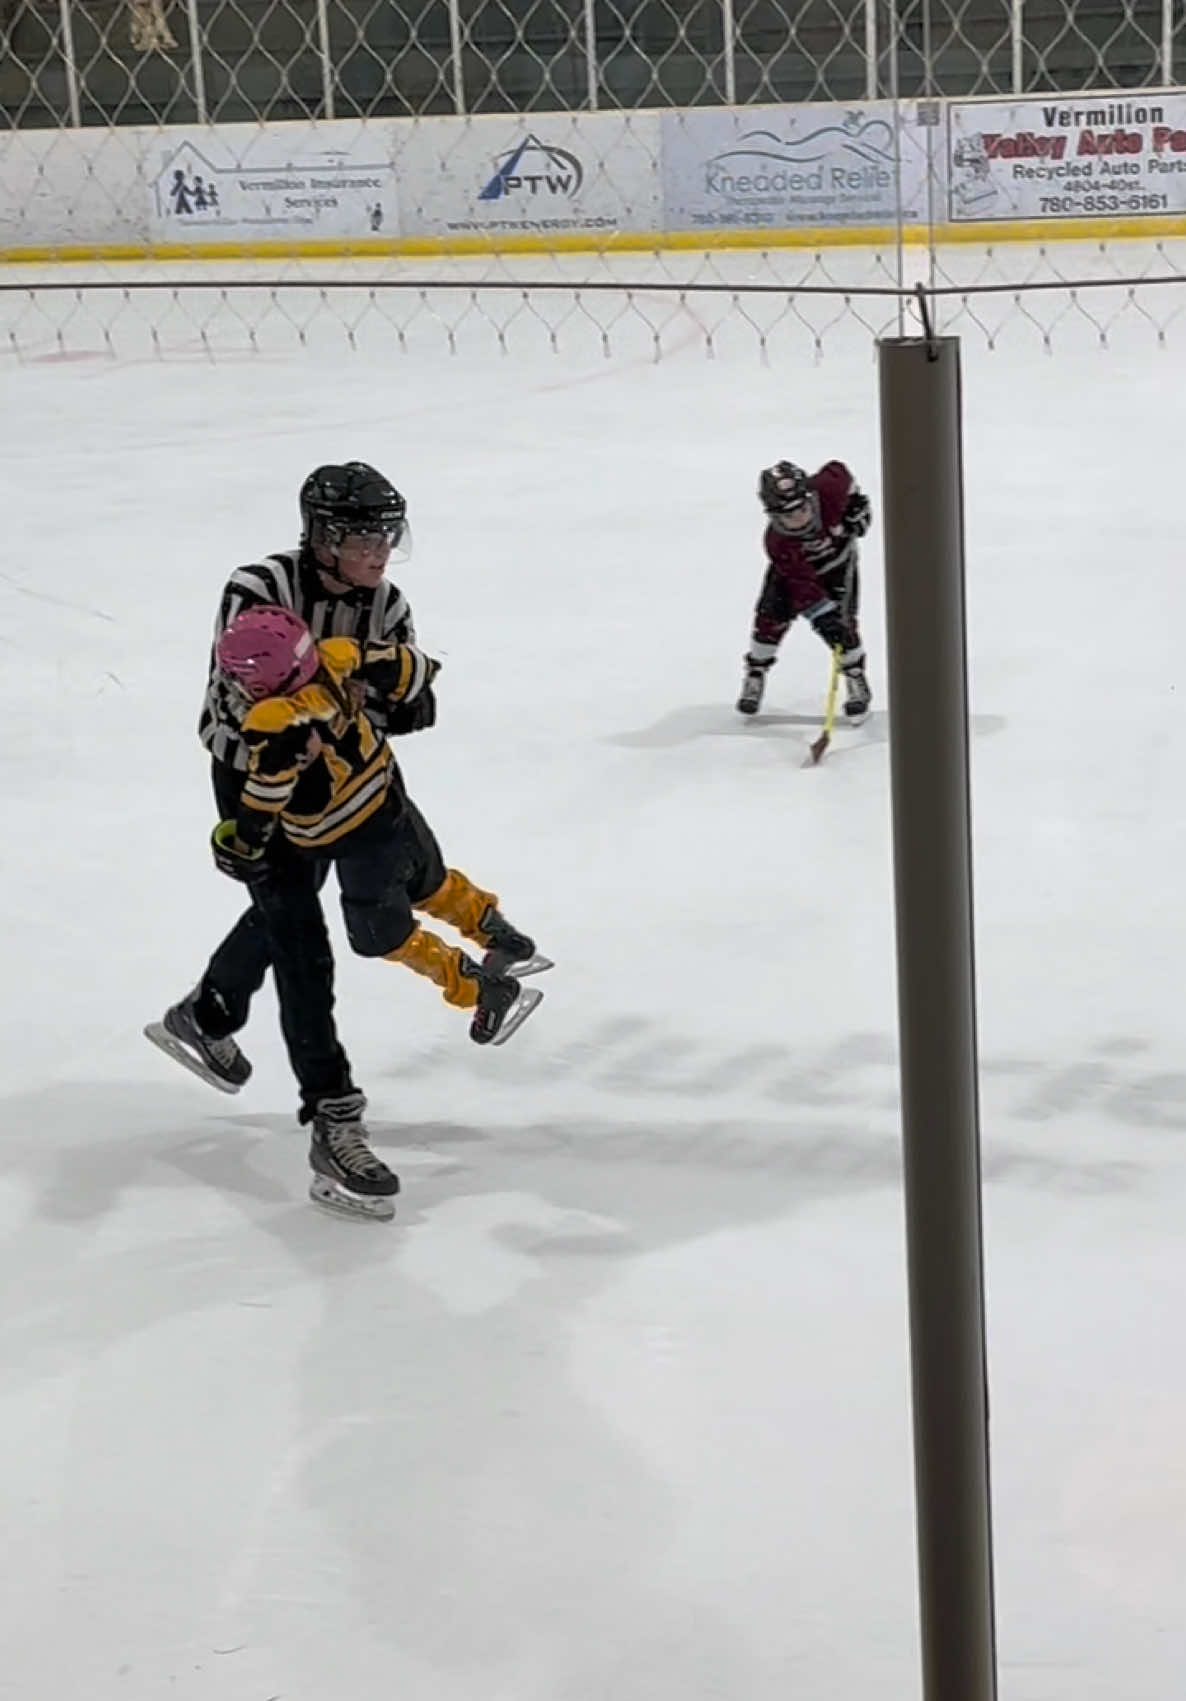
[193,177]
[106,63]
[1066,299]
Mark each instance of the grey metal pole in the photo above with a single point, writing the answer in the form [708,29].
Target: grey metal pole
[195,60]
[71,62]
[923,526]
[327,64]
[455,59]
[871,49]
[729,43]
[590,56]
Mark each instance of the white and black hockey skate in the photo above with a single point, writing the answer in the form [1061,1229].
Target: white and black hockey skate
[216,1061]
[858,698]
[503,1007]
[509,950]
[753,685]
[348,1178]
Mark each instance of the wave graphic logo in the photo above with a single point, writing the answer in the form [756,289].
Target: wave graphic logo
[764,163]
[534,168]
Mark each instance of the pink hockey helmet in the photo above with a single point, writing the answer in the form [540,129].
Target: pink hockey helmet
[267,651]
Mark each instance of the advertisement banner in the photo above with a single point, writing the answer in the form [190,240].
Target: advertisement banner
[535,174]
[785,166]
[294,181]
[1059,157]
[87,190]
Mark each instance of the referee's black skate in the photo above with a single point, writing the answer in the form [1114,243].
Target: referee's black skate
[503,1007]
[348,1178]
[181,1036]
[508,949]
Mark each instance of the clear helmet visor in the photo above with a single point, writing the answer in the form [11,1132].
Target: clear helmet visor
[364,546]
[801,519]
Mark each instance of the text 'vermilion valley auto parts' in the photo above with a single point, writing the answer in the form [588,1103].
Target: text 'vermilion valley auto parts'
[1076,158]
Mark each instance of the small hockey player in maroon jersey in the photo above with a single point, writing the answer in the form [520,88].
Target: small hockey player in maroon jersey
[813,523]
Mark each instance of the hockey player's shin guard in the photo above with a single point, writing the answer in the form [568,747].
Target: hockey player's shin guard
[460,903]
[450,969]
[475,914]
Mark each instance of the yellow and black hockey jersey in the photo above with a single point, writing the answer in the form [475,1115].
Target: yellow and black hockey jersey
[289,579]
[317,768]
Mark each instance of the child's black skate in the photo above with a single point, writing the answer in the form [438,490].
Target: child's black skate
[503,1007]
[180,1036]
[507,948]
[753,684]
[347,1176]
[857,696]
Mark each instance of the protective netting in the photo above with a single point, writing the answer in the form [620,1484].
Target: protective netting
[641,175]
[782,305]
[154,62]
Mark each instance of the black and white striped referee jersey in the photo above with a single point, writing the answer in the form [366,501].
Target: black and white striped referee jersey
[378,616]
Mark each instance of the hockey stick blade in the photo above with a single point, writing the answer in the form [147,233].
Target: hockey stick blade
[815,754]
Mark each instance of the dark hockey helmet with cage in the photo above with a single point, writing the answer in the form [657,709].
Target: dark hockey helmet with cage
[783,486]
[789,497]
[350,500]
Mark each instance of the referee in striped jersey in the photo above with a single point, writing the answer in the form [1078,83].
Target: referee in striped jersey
[352,522]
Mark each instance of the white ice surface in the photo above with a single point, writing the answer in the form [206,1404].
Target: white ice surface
[618,1407]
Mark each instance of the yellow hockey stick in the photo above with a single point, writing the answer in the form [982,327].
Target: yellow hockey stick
[825,737]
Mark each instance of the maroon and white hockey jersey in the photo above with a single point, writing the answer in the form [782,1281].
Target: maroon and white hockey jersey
[813,568]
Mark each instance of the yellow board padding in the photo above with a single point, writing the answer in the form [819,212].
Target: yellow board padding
[612,242]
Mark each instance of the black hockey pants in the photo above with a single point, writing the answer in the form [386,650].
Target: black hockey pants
[385,869]
[775,611]
[284,930]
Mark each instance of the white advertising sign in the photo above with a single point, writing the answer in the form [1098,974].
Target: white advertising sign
[532,174]
[76,186]
[1057,157]
[294,181]
[787,166]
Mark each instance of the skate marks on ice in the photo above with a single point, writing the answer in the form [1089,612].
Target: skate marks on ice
[92,1145]
[413,1418]
[424,1375]
[379,1429]
[519,1521]
[669,1133]
[633,1053]
[811,1161]
[721,720]
[194,1204]
[803,1110]
[642,1089]
[530,1189]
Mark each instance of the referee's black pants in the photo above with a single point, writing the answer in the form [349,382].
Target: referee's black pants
[283,930]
